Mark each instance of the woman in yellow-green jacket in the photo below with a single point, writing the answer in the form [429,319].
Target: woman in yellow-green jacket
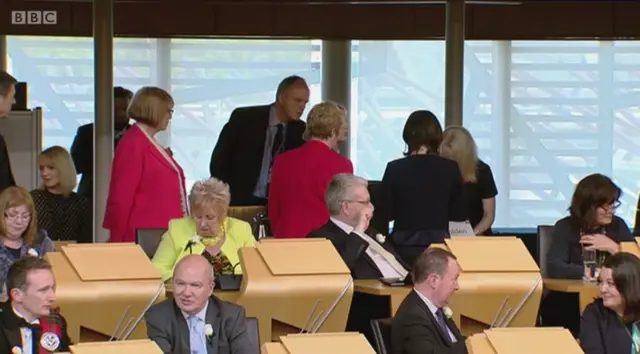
[207,231]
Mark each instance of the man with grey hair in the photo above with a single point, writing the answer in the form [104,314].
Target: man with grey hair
[423,323]
[350,209]
[195,321]
[363,251]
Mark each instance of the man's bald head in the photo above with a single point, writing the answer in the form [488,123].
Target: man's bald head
[194,263]
[192,283]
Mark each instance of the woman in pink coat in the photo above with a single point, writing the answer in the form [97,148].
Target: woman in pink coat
[147,185]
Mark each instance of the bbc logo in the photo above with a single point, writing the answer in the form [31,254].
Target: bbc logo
[34,17]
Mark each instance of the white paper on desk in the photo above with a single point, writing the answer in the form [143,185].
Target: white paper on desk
[460,228]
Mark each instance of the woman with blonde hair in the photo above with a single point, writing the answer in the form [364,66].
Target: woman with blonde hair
[147,184]
[64,214]
[208,231]
[479,186]
[19,235]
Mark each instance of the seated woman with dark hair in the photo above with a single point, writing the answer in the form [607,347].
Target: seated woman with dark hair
[591,224]
[610,325]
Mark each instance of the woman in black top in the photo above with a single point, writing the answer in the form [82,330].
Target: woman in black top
[64,214]
[479,187]
[421,192]
[610,325]
[591,224]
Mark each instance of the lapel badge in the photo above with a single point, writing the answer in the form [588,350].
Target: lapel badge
[16,350]
[50,341]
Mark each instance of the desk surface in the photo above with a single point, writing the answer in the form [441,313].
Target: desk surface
[569,285]
[375,287]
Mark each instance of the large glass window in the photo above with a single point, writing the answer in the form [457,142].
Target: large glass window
[570,111]
[59,72]
[210,78]
[390,80]
[544,115]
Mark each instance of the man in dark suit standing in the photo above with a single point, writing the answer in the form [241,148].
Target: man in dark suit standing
[364,252]
[423,323]
[29,321]
[253,136]
[194,321]
[82,147]
[7,99]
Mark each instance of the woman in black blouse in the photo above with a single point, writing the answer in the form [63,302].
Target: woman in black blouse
[591,224]
[64,214]
[479,187]
[610,325]
[421,192]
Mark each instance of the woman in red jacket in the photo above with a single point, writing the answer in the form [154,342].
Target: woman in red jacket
[147,185]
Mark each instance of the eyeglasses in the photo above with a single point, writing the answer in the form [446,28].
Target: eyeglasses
[16,217]
[611,206]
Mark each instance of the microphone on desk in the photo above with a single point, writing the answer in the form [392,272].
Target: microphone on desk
[313,324]
[130,327]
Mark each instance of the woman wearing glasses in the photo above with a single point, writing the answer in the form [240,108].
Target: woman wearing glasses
[591,226]
[610,325]
[19,235]
[147,187]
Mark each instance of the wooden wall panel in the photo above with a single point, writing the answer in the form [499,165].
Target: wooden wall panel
[625,19]
[541,20]
[179,18]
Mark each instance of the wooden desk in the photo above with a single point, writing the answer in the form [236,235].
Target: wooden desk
[375,287]
[230,296]
[586,291]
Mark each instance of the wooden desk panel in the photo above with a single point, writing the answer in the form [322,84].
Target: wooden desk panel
[587,292]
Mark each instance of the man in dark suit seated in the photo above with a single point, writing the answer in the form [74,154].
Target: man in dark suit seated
[82,146]
[194,321]
[363,251]
[29,322]
[422,323]
[254,136]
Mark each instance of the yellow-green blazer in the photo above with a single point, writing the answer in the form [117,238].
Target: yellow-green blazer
[174,241]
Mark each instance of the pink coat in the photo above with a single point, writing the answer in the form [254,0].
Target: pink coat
[146,190]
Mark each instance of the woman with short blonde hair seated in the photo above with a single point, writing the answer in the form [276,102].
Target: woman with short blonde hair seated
[208,231]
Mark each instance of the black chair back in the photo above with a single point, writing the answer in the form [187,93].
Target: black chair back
[149,240]
[254,333]
[382,335]
[545,232]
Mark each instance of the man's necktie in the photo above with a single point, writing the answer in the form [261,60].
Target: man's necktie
[196,336]
[441,321]
[277,142]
